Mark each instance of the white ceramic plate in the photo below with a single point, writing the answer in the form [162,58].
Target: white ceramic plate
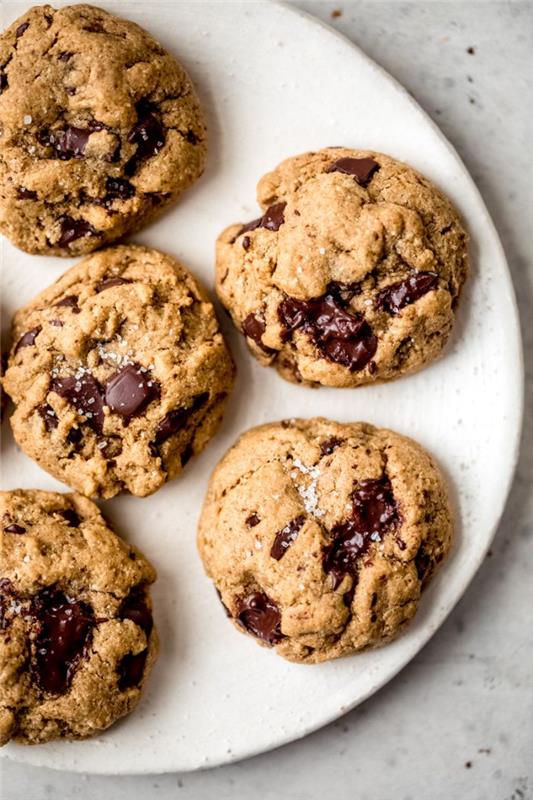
[275,82]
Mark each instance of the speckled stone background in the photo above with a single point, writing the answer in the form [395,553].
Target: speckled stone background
[457,723]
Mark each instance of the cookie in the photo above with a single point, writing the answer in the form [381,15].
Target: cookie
[100,129]
[332,557]
[119,372]
[77,640]
[351,275]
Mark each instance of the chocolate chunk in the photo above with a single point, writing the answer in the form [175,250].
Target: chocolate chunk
[176,419]
[118,189]
[191,137]
[252,520]
[70,142]
[3,82]
[27,339]
[74,436]
[72,229]
[261,617]
[328,445]
[254,327]
[135,608]
[70,301]
[362,169]
[49,416]
[14,528]
[422,563]
[65,56]
[285,537]
[63,633]
[26,194]
[109,283]
[272,220]
[131,670]
[398,295]
[70,516]
[130,390]
[342,337]
[85,394]
[246,241]
[21,28]
[374,513]
[56,323]
[147,133]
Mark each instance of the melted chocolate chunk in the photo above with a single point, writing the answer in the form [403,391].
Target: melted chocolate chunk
[118,189]
[272,219]
[362,169]
[14,528]
[131,670]
[27,339]
[63,632]
[254,327]
[374,513]
[176,419]
[109,283]
[130,390]
[70,516]
[21,29]
[135,608]
[85,394]
[71,301]
[49,416]
[252,520]
[285,537]
[328,445]
[72,229]
[26,194]
[398,295]
[342,337]
[147,133]
[261,617]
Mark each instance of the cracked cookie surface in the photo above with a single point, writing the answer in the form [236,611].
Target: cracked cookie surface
[353,273]
[331,559]
[77,640]
[100,129]
[119,372]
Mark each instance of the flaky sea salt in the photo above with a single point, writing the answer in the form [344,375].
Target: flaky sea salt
[309,493]
[27,119]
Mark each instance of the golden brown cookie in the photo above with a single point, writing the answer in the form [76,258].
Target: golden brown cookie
[351,275]
[119,372]
[77,640]
[319,536]
[100,129]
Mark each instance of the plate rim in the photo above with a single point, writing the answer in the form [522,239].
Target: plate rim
[19,753]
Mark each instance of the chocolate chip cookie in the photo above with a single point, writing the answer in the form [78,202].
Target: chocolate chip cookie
[319,536]
[119,372]
[351,275]
[76,634]
[100,129]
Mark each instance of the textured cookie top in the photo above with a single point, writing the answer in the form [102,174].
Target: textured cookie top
[351,275]
[119,372]
[76,630]
[331,558]
[99,129]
